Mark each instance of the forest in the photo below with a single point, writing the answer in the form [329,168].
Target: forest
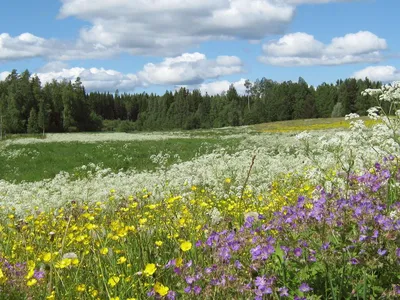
[28,106]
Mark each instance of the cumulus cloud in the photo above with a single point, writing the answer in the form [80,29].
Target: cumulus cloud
[27,45]
[379,73]
[171,26]
[302,49]
[3,75]
[92,78]
[217,87]
[189,68]
[142,26]
[160,27]
[186,69]
[314,1]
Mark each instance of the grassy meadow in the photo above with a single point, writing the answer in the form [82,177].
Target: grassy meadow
[303,209]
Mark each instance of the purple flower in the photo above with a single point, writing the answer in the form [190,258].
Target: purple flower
[354,261]
[267,290]
[260,282]
[297,252]
[312,258]
[224,253]
[286,250]
[38,275]
[190,279]
[304,287]
[283,292]
[171,295]
[187,289]
[170,263]
[197,290]
[189,264]
[238,264]
[255,252]
[267,251]
[362,238]
[382,252]
[398,252]
[397,289]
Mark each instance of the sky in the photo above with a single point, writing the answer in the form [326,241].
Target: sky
[157,45]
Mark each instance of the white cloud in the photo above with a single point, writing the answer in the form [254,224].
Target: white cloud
[158,27]
[189,68]
[217,87]
[302,49]
[171,26]
[27,45]
[186,69]
[3,75]
[93,78]
[314,1]
[379,73]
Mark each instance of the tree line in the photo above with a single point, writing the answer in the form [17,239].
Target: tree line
[27,106]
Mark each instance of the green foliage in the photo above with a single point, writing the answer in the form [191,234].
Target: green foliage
[126,126]
[33,126]
[338,110]
[65,106]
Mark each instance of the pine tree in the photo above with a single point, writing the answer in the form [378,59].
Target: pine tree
[33,126]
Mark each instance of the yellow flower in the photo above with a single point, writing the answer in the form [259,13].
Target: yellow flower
[104,251]
[150,269]
[90,226]
[161,289]
[47,257]
[121,260]
[1,274]
[186,246]
[179,262]
[113,281]
[31,282]
[114,298]
[66,262]
[52,296]
[228,180]
[159,243]
[93,292]
[81,288]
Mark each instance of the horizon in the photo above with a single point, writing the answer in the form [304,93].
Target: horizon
[205,45]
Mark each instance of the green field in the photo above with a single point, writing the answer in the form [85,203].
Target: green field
[45,160]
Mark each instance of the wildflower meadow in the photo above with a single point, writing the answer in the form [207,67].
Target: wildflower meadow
[233,213]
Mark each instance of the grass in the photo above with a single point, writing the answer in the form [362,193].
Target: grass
[308,124]
[51,158]
[38,161]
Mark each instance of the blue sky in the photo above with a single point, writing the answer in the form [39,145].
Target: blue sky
[143,45]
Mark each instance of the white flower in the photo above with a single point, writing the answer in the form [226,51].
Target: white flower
[351,116]
[70,255]
[303,136]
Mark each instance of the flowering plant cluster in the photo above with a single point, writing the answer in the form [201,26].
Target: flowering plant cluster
[320,221]
[336,245]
